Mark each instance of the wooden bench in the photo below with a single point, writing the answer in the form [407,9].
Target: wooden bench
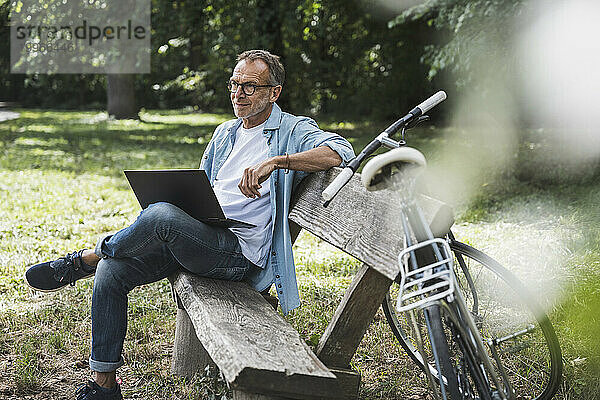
[260,355]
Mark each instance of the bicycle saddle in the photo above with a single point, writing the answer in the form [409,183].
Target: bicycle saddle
[377,172]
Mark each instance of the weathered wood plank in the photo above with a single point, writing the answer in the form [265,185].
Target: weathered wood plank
[254,347]
[364,224]
[189,356]
[238,395]
[349,382]
[352,317]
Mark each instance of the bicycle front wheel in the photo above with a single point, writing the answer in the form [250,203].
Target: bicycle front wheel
[503,311]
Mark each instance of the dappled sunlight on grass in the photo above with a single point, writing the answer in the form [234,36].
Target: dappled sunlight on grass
[192,119]
[66,141]
[39,142]
[313,257]
[42,128]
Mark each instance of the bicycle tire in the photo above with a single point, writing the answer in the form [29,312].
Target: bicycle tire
[526,372]
[465,354]
[458,359]
[439,344]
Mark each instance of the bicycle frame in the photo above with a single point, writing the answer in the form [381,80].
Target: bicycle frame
[435,284]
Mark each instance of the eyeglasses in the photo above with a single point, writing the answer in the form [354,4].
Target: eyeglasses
[247,88]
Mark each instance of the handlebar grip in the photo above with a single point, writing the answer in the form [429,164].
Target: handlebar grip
[432,101]
[335,186]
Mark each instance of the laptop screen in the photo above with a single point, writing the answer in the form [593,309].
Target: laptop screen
[188,189]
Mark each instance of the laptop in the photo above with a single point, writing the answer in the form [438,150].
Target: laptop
[188,189]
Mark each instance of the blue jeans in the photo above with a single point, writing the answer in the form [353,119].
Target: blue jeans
[162,240]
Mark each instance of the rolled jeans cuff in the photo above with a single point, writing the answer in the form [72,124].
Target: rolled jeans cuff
[98,248]
[103,366]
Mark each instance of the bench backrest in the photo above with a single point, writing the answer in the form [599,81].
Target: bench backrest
[364,224]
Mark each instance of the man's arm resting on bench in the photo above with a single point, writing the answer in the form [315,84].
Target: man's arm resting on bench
[313,160]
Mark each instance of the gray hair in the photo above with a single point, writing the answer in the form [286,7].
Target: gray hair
[276,70]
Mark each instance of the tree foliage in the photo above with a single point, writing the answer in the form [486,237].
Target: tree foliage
[475,29]
[341,58]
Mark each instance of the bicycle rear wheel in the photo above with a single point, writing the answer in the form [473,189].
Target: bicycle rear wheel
[501,306]
[439,346]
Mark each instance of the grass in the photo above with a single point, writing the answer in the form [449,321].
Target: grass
[27,367]
[62,187]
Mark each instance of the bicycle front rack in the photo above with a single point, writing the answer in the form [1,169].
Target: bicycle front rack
[423,286]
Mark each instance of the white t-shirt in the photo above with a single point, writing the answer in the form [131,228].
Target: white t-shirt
[250,148]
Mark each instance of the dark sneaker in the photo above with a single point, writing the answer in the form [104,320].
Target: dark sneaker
[53,275]
[91,391]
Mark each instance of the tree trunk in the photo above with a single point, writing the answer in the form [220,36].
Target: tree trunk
[15,88]
[120,95]
[196,52]
[269,20]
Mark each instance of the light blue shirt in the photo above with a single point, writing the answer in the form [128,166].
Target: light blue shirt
[286,134]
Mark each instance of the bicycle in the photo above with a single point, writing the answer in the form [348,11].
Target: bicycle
[456,310]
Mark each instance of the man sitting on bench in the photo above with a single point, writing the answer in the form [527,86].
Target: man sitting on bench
[253,162]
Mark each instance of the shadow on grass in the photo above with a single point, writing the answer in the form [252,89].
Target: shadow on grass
[88,142]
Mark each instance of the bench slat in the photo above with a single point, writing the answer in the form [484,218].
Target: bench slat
[256,349]
[355,221]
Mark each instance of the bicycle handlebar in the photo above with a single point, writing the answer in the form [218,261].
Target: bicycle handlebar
[432,101]
[344,177]
[339,182]
[416,112]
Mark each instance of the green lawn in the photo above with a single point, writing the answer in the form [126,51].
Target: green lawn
[62,187]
